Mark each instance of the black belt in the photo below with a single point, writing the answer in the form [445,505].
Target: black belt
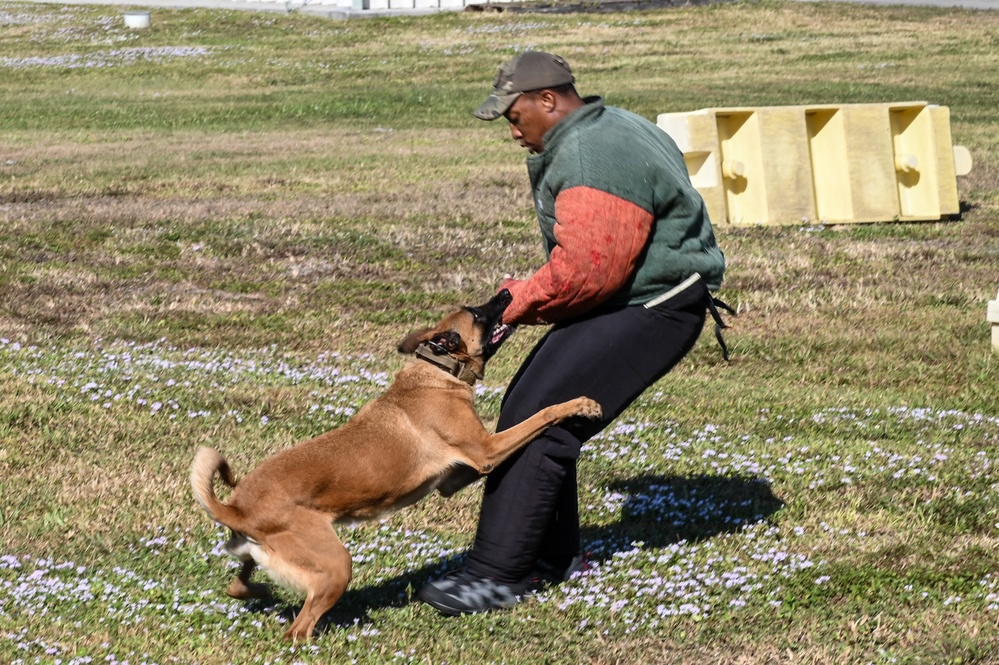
[713,305]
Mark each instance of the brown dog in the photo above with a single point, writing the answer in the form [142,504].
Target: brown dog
[422,434]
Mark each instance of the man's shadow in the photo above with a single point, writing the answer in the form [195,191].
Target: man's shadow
[656,511]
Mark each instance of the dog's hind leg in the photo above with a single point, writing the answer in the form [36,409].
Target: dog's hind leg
[310,557]
[243,588]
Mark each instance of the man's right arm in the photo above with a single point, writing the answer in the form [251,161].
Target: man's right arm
[600,238]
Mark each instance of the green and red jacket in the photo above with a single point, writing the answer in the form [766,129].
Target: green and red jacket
[620,220]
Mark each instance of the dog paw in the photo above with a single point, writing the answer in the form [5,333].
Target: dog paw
[297,635]
[243,591]
[587,408]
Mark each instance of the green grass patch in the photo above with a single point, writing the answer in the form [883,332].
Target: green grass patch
[215,232]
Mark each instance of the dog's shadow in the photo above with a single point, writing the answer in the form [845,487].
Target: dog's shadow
[656,511]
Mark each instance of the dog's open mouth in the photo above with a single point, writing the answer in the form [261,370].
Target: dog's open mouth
[499,334]
[490,317]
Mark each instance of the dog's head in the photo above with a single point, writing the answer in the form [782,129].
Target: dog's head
[470,335]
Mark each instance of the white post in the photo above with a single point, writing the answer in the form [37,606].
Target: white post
[993,318]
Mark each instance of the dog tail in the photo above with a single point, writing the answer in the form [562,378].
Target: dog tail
[207,463]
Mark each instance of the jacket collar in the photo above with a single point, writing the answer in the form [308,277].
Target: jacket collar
[592,107]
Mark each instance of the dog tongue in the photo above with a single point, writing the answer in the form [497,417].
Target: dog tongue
[501,332]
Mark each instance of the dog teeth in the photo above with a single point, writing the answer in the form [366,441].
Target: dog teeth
[500,333]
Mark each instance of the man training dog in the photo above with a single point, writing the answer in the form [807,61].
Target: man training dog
[632,261]
[422,434]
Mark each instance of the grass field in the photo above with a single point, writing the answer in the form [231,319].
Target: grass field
[215,232]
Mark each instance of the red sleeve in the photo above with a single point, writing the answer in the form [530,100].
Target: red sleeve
[600,238]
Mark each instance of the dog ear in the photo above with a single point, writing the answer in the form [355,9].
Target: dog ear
[414,339]
[449,341]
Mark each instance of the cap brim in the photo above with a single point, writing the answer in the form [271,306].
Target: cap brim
[495,106]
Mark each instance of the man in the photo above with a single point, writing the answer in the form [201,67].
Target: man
[632,259]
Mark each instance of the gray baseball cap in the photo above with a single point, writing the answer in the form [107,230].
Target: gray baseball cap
[531,70]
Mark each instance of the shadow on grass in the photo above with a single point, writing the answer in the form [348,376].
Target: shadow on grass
[659,511]
[656,511]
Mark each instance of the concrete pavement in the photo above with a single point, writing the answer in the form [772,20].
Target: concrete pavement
[964,4]
[354,8]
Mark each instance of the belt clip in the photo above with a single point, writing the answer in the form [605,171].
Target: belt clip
[713,305]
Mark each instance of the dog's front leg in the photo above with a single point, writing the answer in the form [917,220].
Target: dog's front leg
[460,477]
[497,447]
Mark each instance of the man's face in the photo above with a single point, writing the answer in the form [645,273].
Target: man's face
[529,119]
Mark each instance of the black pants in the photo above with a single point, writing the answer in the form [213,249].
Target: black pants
[530,506]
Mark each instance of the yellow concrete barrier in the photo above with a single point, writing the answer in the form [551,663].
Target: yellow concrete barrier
[829,163]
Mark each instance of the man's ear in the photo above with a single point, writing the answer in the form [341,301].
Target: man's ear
[548,100]
[414,339]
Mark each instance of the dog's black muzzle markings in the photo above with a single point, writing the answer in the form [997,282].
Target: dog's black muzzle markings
[437,351]
[490,316]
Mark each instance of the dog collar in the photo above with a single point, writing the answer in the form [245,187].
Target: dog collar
[446,362]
